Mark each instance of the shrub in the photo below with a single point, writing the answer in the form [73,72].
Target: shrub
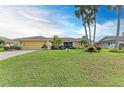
[15,47]
[122,50]
[99,48]
[12,47]
[93,49]
[62,47]
[74,48]
[113,50]
[116,51]
[55,47]
[6,48]
[90,49]
[2,42]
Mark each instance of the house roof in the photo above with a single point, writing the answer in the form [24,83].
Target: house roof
[111,38]
[34,38]
[70,39]
[6,39]
[64,39]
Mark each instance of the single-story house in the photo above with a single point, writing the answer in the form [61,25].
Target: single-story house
[37,42]
[8,42]
[109,42]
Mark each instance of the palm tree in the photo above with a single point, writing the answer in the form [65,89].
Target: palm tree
[95,9]
[119,9]
[88,14]
[57,40]
[80,12]
[89,20]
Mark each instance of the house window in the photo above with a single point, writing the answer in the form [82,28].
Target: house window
[68,44]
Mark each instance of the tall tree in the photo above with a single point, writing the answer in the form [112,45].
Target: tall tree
[80,13]
[95,10]
[89,21]
[119,10]
[88,14]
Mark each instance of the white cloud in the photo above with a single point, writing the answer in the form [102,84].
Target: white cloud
[32,17]
[16,22]
[108,28]
[26,21]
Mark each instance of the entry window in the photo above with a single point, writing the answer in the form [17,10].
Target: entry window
[68,44]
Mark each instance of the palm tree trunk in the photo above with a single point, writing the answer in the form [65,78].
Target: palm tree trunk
[118,28]
[89,34]
[85,30]
[94,36]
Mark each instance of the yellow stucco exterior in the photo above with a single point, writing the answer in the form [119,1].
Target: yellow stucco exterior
[77,44]
[38,44]
[32,44]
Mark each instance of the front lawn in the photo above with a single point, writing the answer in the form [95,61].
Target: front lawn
[1,49]
[56,68]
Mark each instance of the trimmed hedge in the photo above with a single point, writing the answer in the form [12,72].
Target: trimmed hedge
[6,48]
[15,47]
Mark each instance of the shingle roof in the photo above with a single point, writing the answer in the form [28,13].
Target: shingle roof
[35,37]
[31,38]
[111,38]
[64,39]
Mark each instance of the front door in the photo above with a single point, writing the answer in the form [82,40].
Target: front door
[68,44]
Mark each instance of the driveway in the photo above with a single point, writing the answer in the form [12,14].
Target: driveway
[8,54]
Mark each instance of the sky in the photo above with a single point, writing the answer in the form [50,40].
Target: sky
[34,20]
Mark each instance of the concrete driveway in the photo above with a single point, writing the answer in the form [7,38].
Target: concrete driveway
[8,54]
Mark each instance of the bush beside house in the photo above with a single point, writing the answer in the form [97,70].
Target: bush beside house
[12,48]
[95,48]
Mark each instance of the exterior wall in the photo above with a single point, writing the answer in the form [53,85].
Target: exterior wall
[37,44]
[121,45]
[49,45]
[77,45]
[108,45]
[112,45]
[32,44]
[8,44]
[105,45]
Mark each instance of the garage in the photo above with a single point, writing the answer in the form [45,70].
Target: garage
[32,44]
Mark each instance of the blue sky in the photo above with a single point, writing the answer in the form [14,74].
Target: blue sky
[26,21]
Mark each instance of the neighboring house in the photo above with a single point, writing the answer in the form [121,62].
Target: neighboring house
[8,42]
[38,42]
[109,42]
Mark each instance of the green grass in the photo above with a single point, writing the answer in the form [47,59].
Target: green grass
[56,68]
[1,49]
